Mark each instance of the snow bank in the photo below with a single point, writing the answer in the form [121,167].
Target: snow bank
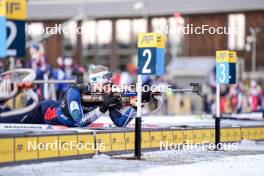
[251,165]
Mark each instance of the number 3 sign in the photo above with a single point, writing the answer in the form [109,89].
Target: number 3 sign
[226,67]
[151,48]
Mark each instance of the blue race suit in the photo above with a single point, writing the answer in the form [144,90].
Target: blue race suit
[69,112]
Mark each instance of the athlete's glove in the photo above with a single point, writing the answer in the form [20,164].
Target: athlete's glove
[146,97]
[110,102]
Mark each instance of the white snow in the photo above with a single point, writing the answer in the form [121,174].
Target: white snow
[235,165]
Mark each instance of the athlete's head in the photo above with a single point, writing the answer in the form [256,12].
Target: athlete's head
[99,76]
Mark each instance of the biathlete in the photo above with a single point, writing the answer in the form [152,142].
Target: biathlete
[70,112]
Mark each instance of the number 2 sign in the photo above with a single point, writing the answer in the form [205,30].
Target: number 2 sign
[16,38]
[226,67]
[151,54]
[12,23]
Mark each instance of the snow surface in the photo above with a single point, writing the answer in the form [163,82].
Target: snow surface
[238,165]
[246,159]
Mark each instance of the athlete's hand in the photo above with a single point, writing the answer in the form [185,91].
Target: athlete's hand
[110,102]
[146,97]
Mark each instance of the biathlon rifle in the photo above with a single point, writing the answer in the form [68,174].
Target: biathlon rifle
[130,97]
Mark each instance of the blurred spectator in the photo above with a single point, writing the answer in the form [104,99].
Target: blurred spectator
[235,96]
[254,96]
[38,60]
[126,78]
[67,71]
[59,74]
[38,63]
[211,80]
[116,78]
[2,66]
[245,96]
[19,63]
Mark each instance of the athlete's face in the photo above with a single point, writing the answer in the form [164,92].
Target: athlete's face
[101,82]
